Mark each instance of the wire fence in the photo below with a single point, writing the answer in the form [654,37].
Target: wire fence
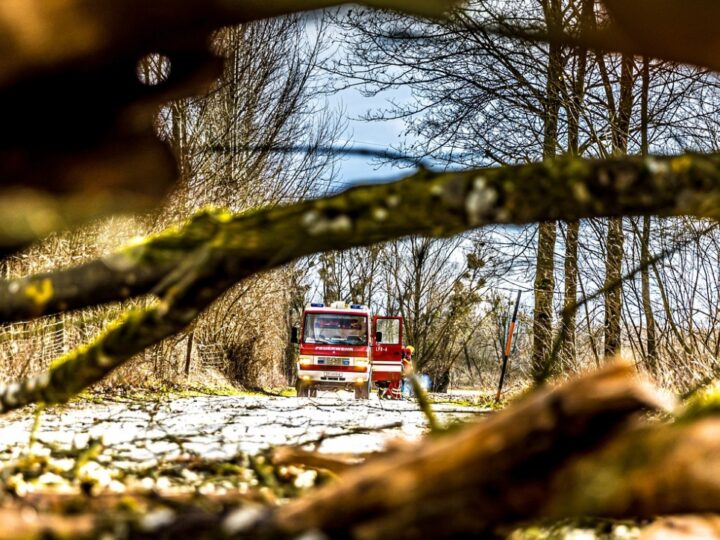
[28,347]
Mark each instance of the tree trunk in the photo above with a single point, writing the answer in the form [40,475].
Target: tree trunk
[615,235]
[568,343]
[188,352]
[441,381]
[646,301]
[568,347]
[651,359]
[613,297]
[543,365]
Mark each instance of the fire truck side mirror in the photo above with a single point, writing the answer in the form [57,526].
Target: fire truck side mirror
[294,335]
[378,337]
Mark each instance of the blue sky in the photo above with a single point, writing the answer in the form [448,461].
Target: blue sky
[351,105]
[380,135]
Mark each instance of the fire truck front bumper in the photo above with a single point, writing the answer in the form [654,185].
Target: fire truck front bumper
[330,377]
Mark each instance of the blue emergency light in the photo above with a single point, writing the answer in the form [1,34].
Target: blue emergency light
[356,306]
[317,305]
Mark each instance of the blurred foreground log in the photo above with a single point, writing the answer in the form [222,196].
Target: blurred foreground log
[492,473]
[666,469]
[683,528]
[579,450]
[426,203]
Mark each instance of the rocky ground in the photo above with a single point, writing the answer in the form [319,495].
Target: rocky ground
[124,444]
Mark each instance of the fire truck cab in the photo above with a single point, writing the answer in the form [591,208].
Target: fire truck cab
[343,346]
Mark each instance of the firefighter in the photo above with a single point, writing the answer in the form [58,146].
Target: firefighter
[407,365]
[394,390]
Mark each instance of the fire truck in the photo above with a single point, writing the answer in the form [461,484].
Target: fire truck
[344,346]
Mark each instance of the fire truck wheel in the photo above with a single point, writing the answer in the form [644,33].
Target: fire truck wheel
[312,391]
[301,389]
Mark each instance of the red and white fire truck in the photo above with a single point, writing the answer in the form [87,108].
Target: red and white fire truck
[344,346]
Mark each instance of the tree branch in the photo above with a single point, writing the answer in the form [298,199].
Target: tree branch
[433,204]
[219,249]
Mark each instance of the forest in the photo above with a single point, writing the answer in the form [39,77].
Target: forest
[175,191]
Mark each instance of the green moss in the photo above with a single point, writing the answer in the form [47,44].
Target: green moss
[202,391]
[703,402]
[597,528]
[40,292]
[177,239]
[87,396]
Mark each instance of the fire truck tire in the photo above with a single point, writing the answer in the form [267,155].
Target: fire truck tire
[302,389]
[312,391]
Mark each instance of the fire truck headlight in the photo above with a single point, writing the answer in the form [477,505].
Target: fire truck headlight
[361,363]
[304,361]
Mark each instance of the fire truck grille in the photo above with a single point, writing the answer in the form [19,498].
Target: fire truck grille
[333,361]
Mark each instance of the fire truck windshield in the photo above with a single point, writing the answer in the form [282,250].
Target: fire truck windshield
[335,329]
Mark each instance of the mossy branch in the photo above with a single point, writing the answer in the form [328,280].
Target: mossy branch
[189,266]
[424,203]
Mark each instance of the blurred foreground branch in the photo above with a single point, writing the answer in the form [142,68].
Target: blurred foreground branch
[673,30]
[79,101]
[434,204]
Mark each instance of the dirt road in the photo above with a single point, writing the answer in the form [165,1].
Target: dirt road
[139,434]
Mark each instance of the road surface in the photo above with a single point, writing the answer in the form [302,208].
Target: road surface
[138,436]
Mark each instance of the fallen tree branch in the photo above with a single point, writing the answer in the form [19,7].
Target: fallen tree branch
[563,453]
[492,473]
[434,204]
[217,249]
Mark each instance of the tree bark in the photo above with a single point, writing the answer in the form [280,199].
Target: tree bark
[615,234]
[574,109]
[568,348]
[543,365]
[613,296]
[652,355]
